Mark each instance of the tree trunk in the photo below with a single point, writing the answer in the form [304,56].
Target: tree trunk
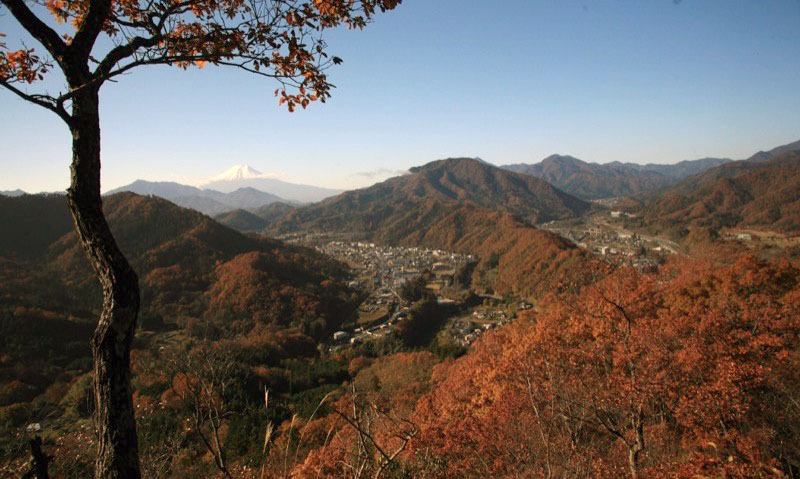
[637,446]
[117,449]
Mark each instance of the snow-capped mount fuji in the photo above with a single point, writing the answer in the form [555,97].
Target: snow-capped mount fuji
[238,173]
[244,176]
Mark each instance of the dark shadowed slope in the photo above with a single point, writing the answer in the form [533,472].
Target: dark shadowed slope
[31,223]
[189,266]
[273,211]
[241,220]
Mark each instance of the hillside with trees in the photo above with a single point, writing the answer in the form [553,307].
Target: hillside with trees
[184,259]
[241,220]
[691,372]
[752,194]
[466,206]
[454,320]
[199,278]
[513,257]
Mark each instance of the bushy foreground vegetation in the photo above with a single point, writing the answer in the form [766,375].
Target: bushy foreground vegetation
[691,371]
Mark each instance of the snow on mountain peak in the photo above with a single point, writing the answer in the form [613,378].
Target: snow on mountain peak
[238,172]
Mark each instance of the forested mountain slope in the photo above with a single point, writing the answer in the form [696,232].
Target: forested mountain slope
[366,212]
[514,257]
[191,269]
[760,194]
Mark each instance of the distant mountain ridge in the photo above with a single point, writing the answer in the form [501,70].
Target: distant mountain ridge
[244,176]
[367,211]
[591,181]
[678,170]
[206,201]
[775,152]
[690,184]
[239,187]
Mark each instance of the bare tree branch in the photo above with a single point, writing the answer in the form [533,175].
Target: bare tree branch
[53,104]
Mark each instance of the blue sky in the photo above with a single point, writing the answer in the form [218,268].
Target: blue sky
[509,81]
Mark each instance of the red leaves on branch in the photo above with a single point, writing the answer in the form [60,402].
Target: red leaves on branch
[21,65]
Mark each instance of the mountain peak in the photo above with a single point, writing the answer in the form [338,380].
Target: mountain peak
[563,160]
[450,163]
[237,172]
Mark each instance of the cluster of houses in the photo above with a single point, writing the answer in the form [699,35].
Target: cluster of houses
[384,269]
[466,330]
[391,266]
[616,246]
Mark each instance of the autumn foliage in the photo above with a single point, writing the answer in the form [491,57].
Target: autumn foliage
[751,194]
[690,374]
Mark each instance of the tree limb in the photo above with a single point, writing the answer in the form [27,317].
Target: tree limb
[52,104]
[91,27]
[37,28]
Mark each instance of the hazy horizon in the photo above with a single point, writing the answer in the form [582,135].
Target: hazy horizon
[383,174]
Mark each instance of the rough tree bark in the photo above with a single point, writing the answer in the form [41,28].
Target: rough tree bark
[117,449]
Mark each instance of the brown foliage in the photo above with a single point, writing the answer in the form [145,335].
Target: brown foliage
[745,193]
[639,375]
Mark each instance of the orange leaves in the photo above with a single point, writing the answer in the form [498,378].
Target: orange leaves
[295,19]
[302,98]
[21,65]
[698,354]
[58,8]
[73,11]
